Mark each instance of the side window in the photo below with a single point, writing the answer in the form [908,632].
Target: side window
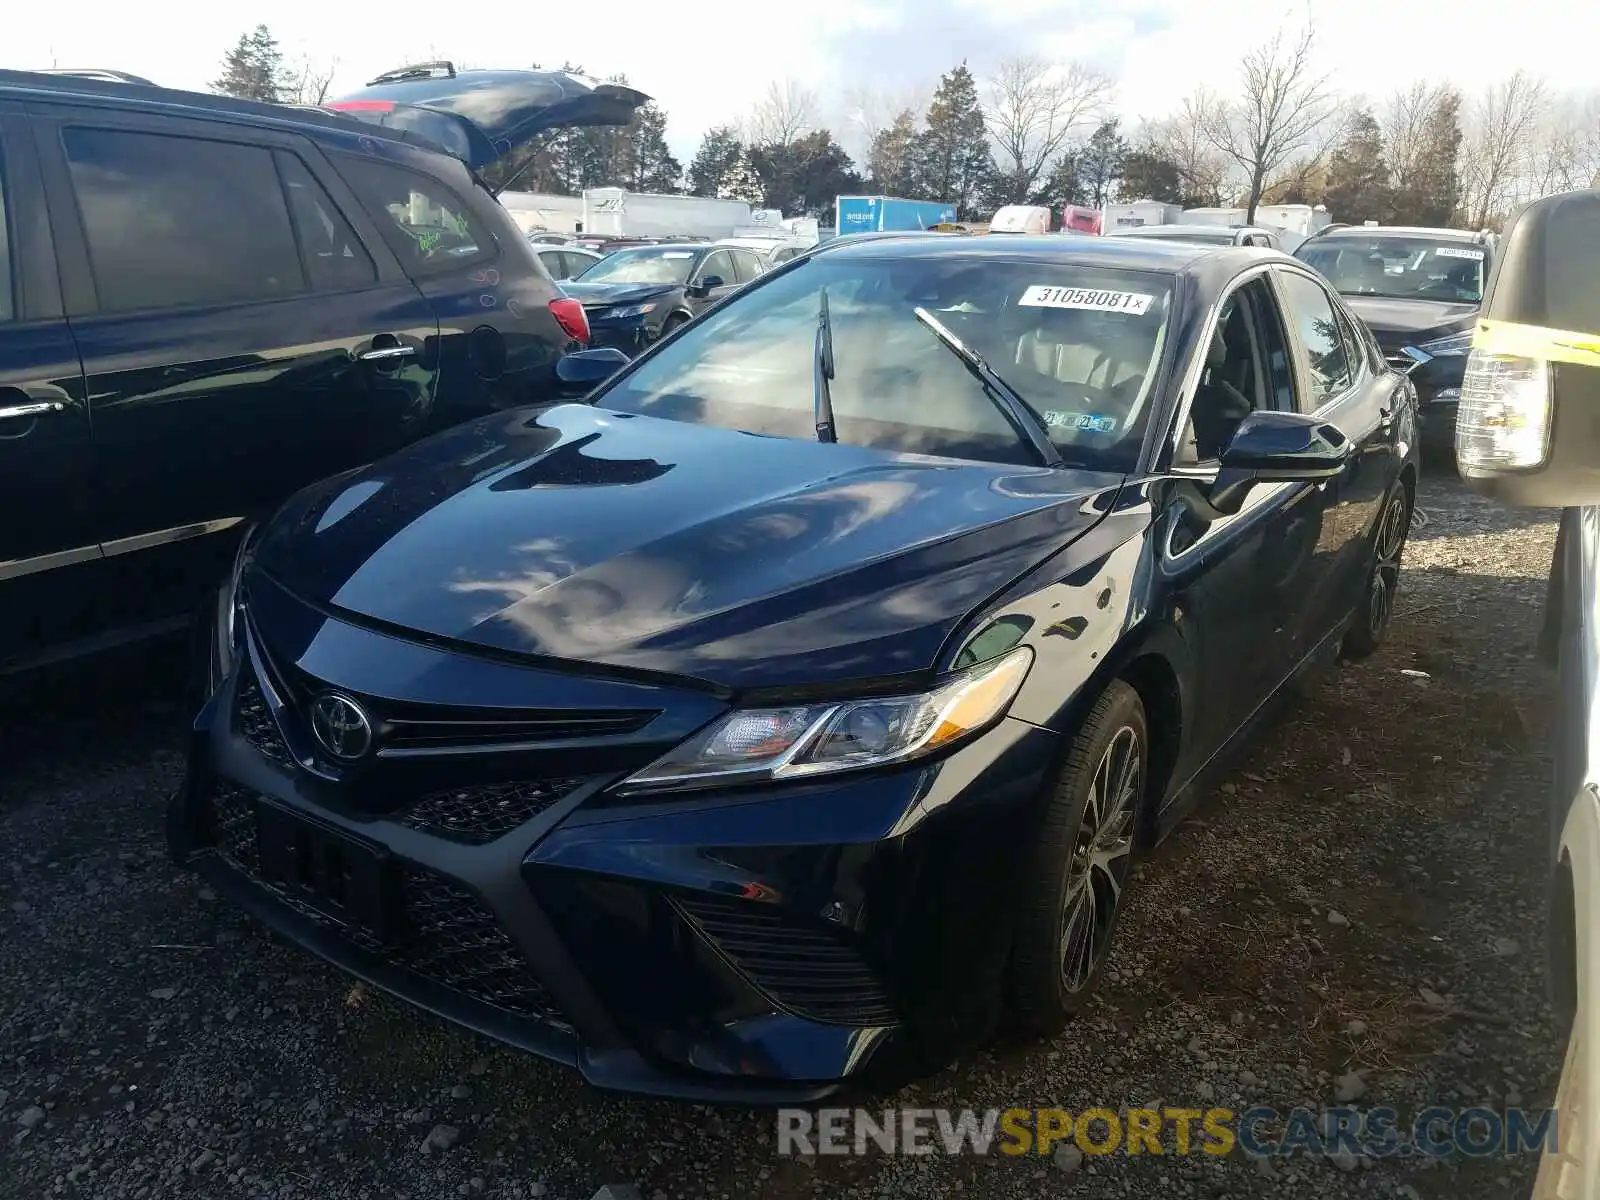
[1357,351]
[718,263]
[1231,383]
[580,262]
[429,227]
[178,221]
[1311,313]
[335,260]
[749,264]
[783,255]
[8,310]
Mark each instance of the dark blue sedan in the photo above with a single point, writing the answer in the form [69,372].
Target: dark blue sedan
[787,714]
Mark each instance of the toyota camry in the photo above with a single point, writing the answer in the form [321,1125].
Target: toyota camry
[783,712]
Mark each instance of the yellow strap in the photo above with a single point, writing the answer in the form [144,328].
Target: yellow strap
[1535,341]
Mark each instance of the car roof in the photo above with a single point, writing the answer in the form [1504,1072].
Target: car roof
[1149,254]
[129,93]
[1352,231]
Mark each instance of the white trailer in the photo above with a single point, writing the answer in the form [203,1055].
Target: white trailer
[535,212]
[614,212]
[1135,214]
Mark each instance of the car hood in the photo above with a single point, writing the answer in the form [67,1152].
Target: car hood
[482,116]
[1389,319]
[585,535]
[616,293]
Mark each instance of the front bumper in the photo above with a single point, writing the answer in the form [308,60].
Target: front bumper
[631,337]
[763,947]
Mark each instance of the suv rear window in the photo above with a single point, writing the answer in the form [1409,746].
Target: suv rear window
[428,226]
[179,221]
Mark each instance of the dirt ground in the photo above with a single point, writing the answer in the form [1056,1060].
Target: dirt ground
[1364,894]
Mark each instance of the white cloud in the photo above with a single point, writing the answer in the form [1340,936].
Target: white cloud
[708,62]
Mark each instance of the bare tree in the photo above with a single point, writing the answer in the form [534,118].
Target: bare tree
[784,113]
[1180,139]
[1034,107]
[309,82]
[1566,148]
[867,110]
[1281,116]
[1405,126]
[1497,154]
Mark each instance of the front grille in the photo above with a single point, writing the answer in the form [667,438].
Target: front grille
[804,966]
[475,815]
[445,935]
[254,720]
[418,727]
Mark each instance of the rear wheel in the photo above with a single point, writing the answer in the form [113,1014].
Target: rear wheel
[1079,866]
[1383,576]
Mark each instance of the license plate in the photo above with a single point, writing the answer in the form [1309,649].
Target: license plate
[344,879]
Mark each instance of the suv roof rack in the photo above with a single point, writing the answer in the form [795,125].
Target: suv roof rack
[96,73]
[441,68]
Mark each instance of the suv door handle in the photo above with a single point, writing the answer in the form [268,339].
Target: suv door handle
[386,353]
[35,408]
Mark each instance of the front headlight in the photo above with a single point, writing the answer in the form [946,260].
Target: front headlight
[633,310]
[754,745]
[1503,422]
[1454,346]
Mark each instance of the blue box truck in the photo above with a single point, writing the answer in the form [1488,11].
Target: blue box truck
[876,214]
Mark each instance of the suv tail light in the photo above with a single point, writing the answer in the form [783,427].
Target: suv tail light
[1504,420]
[570,316]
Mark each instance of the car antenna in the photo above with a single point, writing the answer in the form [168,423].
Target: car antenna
[823,372]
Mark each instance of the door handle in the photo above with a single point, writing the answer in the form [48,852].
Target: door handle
[386,353]
[37,408]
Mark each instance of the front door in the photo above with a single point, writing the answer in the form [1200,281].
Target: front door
[240,339]
[49,551]
[1241,575]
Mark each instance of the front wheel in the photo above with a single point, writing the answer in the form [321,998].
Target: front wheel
[1079,866]
[1383,576]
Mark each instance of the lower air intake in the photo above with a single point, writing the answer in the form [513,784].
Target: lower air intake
[804,966]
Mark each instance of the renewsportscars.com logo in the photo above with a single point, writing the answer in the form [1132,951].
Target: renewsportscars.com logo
[1259,1132]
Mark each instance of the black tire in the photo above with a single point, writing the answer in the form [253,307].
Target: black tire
[1081,858]
[1373,614]
[672,324]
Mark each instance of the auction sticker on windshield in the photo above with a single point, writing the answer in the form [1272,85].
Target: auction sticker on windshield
[1459,252]
[1042,296]
[1090,422]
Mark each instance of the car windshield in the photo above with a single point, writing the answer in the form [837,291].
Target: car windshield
[1080,345]
[646,264]
[1402,268]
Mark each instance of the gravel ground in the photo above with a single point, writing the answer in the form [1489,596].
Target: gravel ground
[1363,898]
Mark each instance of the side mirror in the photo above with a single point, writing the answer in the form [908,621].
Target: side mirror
[1528,425]
[1277,447]
[579,373]
[707,284]
[1419,358]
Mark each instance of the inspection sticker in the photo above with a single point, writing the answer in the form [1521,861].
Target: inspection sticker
[1459,252]
[1091,422]
[1040,295]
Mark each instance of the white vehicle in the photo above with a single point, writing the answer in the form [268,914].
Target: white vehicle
[536,212]
[1136,214]
[1526,435]
[614,212]
[1020,218]
[566,262]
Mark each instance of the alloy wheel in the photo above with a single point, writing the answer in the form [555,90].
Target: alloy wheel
[1100,857]
[1387,548]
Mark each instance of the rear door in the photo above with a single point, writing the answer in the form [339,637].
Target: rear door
[240,338]
[49,548]
[749,264]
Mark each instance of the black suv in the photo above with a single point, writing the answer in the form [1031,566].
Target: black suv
[208,303]
[1419,291]
[638,294]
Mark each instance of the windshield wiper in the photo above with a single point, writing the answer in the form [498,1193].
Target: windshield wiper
[822,373]
[976,364]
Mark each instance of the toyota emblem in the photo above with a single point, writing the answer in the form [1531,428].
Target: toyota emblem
[340,726]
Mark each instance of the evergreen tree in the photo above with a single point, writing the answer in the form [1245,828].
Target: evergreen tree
[1358,178]
[720,154]
[253,69]
[952,152]
[1147,175]
[891,162]
[651,166]
[1069,182]
[1099,164]
[802,177]
[738,180]
[1431,193]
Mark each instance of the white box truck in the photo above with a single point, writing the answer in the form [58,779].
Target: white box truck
[1135,214]
[615,212]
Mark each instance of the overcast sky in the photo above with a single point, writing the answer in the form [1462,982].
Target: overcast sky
[707,62]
